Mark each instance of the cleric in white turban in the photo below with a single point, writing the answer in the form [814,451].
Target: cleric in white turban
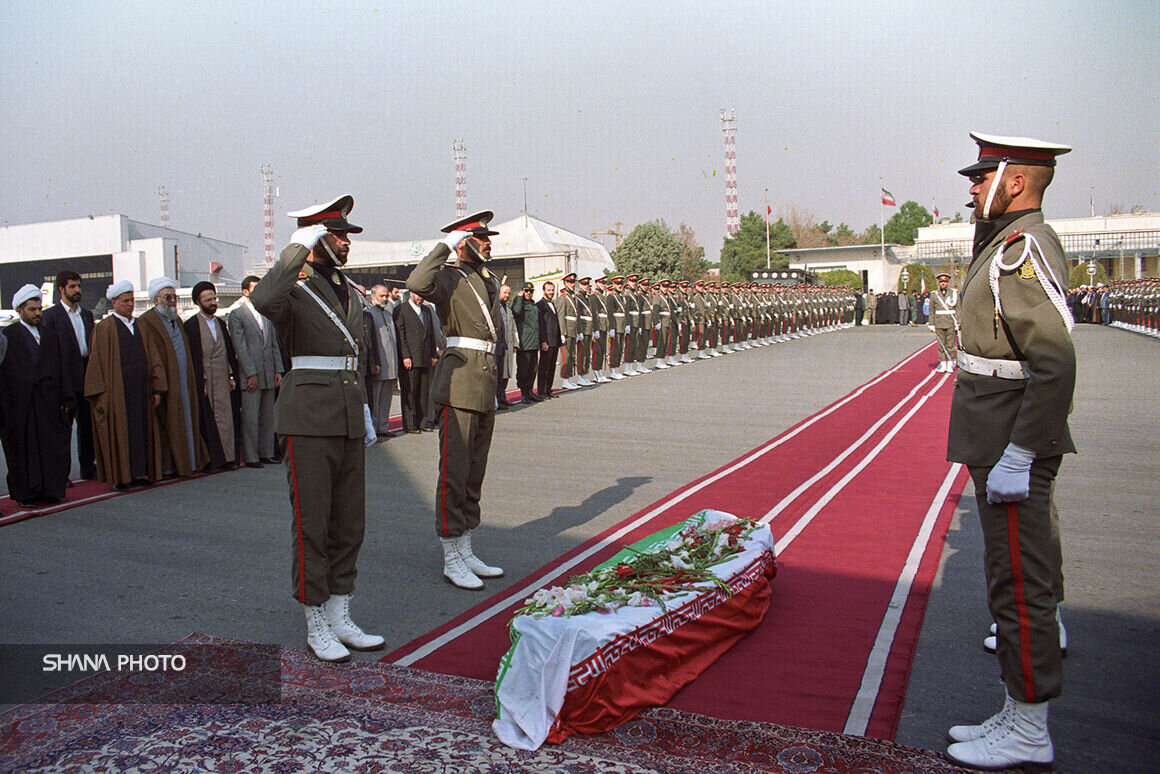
[25,293]
[157,284]
[119,289]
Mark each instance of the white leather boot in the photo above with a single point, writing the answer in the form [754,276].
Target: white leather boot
[349,633]
[967,733]
[454,570]
[473,562]
[320,639]
[1018,739]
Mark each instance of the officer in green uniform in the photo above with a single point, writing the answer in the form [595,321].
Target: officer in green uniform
[944,306]
[1008,424]
[601,324]
[322,419]
[568,315]
[631,325]
[466,296]
[644,333]
[587,325]
[618,322]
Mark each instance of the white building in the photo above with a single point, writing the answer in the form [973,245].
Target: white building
[878,272]
[109,248]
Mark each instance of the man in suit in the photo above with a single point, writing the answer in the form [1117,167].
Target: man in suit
[215,370]
[73,327]
[415,329]
[382,383]
[323,420]
[255,341]
[1008,424]
[466,296]
[549,341]
[505,348]
[38,400]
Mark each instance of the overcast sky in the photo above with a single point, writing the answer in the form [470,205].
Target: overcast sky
[610,110]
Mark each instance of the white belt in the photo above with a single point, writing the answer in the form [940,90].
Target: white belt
[618,314]
[463,342]
[569,317]
[985,366]
[944,311]
[321,363]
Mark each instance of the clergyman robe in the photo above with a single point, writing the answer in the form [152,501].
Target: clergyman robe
[183,450]
[214,362]
[36,431]
[117,387]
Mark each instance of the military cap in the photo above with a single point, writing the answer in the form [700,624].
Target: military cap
[600,280]
[617,280]
[331,214]
[995,149]
[585,280]
[941,277]
[571,277]
[475,224]
[632,277]
[529,286]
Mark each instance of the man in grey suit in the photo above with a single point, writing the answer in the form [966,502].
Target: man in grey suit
[382,384]
[260,360]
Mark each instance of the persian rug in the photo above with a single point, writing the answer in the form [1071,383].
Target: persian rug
[375,717]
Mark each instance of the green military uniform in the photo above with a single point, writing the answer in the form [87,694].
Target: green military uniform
[463,383]
[586,326]
[319,417]
[944,303]
[568,315]
[601,324]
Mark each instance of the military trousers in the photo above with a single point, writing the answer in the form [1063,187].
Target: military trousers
[599,350]
[569,357]
[464,442]
[1023,568]
[585,361]
[616,350]
[947,348]
[327,481]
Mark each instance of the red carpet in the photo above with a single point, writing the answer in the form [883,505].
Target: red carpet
[859,497]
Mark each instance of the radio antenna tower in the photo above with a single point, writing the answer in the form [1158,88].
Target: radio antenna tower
[164,196]
[268,205]
[732,214]
[460,151]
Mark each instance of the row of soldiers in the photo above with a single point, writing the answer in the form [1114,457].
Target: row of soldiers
[1135,305]
[610,331]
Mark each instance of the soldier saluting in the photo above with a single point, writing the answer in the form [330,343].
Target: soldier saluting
[322,419]
[466,296]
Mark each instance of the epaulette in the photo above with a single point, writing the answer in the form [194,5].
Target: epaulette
[1014,236]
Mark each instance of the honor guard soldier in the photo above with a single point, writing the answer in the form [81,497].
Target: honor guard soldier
[467,298]
[944,303]
[644,303]
[568,315]
[631,325]
[601,325]
[322,419]
[1008,424]
[587,326]
[618,316]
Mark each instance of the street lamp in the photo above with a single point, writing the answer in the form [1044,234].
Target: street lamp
[905,277]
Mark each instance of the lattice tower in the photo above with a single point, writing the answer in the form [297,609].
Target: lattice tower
[163,195]
[460,151]
[268,210]
[732,213]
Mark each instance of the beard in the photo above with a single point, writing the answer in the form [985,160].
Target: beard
[168,312]
[999,204]
[209,309]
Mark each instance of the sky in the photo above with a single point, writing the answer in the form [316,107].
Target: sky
[608,111]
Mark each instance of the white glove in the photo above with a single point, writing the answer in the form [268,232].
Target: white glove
[1010,479]
[627,329]
[454,238]
[371,436]
[308,236]
[658,326]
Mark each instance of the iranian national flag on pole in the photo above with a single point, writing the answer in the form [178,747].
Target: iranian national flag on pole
[888,198]
[936,213]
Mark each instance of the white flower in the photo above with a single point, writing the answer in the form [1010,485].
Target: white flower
[638,599]
[719,522]
[722,544]
[681,561]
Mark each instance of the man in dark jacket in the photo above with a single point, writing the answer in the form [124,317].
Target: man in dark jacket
[73,327]
[528,343]
[415,328]
[549,341]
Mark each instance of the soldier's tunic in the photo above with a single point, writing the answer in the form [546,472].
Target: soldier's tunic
[463,382]
[319,418]
[584,311]
[631,324]
[618,320]
[1022,555]
[646,325]
[569,318]
[944,308]
[598,304]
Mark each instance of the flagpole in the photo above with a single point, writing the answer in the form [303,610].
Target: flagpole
[767,264]
[881,225]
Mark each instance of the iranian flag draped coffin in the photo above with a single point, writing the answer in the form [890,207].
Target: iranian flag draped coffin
[588,656]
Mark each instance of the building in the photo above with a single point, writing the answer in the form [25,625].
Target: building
[878,273]
[527,249]
[109,248]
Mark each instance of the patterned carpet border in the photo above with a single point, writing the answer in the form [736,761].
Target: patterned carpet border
[374,717]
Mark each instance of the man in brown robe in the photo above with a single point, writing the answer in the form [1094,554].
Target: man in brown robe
[171,376]
[215,370]
[117,388]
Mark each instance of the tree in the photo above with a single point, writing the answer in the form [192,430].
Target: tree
[917,276]
[903,225]
[692,261]
[745,250]
[651,250]
[843,236]
[839,277]
[872,235]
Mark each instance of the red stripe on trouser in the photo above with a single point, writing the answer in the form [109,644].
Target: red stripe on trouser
[443,473]
[1020,601]
[297,521]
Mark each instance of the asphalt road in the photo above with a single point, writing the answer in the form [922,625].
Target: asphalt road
[212,554]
